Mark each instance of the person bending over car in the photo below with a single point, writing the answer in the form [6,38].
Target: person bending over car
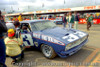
[24,29]
[13,44]
[17,26]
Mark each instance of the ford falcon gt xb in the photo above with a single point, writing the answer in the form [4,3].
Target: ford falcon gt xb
[52,40]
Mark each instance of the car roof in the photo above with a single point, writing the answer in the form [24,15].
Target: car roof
[9,21]
[32,21]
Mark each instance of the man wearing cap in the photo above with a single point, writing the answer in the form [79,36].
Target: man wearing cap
[13,46]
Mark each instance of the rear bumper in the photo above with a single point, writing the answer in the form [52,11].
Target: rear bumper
[73,50]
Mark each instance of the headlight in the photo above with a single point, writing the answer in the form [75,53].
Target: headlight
[74,42]
[83,38]
[68,46]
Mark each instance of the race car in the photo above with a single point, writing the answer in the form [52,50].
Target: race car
[52,40]
[58,20]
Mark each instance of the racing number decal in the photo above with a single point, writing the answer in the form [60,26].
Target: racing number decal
[27,40]
[71,37]
[80,34]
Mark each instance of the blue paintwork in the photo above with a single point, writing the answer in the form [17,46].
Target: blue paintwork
[56,33]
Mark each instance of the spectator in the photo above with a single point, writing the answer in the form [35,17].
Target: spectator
[89,21]
[3,29]
[70,20]
[76,20]
[20,18]
[17,26]
[64,21]
[14,18]
[1,17]
[32,18]
[13,46]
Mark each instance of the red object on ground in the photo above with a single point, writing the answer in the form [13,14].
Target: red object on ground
[82,21]
[95,21]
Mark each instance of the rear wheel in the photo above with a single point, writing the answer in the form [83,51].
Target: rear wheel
[48,51]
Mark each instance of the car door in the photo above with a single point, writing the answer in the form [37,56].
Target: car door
[27,36]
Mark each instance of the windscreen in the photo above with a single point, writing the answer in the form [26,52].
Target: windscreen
[36,26]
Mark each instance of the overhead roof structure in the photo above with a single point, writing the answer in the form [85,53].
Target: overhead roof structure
[86,8]
[36,5]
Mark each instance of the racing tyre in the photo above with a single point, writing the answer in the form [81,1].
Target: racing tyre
[48,51]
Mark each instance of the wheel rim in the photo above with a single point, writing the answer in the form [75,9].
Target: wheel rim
[46,50]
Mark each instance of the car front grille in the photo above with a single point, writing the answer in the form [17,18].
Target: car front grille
[76,43]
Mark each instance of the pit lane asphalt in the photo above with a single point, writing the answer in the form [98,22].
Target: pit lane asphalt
[90,53]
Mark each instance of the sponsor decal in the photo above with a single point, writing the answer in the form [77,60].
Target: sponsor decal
[47,38]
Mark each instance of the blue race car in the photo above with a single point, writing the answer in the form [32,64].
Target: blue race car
[53,40]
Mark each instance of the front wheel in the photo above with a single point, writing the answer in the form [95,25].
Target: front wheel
[48,51]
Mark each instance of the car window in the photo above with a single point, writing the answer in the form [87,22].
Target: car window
[27,25]
[42,25]
[33,27]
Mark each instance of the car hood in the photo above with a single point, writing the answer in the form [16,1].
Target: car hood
[59,34]
[56,32]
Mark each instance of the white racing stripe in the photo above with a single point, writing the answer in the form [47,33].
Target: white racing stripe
[80,34]
[75,36]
